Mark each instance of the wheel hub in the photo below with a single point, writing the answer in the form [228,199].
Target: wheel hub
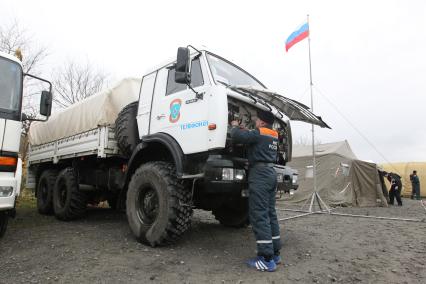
[148,205]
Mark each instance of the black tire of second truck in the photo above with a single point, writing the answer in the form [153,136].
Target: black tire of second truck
[126,129]
[157,204]
[45,186]
[4,219]
[233,214]
[69,202]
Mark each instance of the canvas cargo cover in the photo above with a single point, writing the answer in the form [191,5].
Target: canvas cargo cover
[98,110]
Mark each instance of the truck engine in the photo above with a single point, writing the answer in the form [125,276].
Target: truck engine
[247,115]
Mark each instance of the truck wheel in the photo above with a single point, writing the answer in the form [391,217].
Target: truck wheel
[157,204]
[126,129]
[233,214]
[45,187]
[4,219]
[68,201]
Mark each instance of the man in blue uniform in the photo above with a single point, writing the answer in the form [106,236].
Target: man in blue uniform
[262,155]
[415,183]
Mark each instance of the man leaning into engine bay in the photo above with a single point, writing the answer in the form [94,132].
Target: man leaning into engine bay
[262,145]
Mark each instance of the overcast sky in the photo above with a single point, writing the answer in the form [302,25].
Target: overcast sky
[368,57]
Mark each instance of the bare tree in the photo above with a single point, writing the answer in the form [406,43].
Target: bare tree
[13,37]
[74,82]
[18,41]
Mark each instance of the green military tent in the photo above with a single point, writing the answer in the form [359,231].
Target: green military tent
[342,179]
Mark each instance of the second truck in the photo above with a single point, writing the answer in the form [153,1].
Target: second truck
[160,147]
[11,117]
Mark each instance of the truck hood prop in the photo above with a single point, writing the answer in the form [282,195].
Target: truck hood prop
[291,108]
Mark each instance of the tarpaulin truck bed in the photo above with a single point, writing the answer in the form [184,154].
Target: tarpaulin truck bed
[100,109]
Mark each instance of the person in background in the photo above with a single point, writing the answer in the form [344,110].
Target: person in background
[396,187]
[415,183]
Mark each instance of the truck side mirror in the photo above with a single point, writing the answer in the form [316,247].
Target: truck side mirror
[46,103]
[183,62]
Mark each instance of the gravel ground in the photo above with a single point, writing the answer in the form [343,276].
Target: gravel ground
[317,249]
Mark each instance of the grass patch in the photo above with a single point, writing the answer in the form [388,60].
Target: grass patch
[26,199]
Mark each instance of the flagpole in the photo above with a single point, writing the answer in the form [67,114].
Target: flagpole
[312,109]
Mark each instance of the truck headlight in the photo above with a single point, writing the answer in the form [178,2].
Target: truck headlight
[294,180]
[239,174]
[227,174]
[6,191]
[230,174]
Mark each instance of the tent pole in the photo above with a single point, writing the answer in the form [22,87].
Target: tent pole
[297,216]
[312,109]
[315,196]
[312,203]
[306,213]
[319,199]
[373,217]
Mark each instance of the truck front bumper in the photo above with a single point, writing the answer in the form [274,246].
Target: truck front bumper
[224,174]
[10,188]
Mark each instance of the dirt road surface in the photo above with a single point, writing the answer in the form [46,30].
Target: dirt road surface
[317,249]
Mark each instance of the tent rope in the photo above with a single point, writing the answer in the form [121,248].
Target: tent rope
[356,129]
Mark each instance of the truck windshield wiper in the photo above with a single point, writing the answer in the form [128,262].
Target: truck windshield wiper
[223,83]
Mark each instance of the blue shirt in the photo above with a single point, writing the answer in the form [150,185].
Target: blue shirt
[262,143]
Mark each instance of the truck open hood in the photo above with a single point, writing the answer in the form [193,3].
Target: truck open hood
[291,108]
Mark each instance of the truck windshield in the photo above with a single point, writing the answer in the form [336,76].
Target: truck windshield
[227,73]
[10,87]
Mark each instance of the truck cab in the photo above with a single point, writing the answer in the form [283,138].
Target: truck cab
[11,88]
[197,113]
[10,135]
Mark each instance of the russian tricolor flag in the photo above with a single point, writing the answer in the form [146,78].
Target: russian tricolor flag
[301,33]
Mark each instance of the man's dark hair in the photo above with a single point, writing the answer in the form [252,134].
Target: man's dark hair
[266,117]
[415,172]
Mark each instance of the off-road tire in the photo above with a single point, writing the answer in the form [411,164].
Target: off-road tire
[172,216]
[126,129]
[69,202]
[233,214]
[45,186]
[4,219]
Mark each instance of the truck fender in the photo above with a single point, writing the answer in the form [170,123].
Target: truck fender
[162,139]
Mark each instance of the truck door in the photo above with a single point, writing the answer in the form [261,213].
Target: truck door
[177,112]
[145,99]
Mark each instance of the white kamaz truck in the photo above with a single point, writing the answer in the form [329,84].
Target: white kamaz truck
[160,147]
[11,85]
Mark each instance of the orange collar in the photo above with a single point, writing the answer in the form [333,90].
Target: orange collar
[268,132]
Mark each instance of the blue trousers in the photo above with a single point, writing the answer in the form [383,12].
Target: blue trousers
[262,214]
[416,192]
